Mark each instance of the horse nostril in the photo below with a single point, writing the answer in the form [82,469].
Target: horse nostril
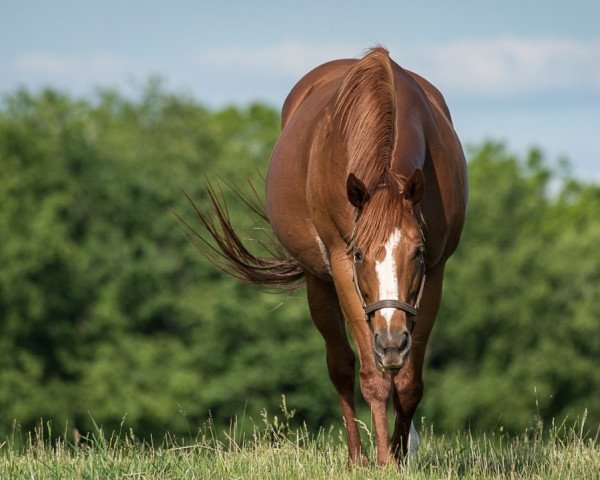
[404,342]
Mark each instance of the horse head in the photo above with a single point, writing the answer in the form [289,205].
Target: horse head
[388,250]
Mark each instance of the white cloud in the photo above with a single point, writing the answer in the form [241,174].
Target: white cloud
[55,65]
[476,68]
[512,66]
[283,60]
[79,73]
[489,68]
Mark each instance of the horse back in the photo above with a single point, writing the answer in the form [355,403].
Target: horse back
[312,81]
[298,157]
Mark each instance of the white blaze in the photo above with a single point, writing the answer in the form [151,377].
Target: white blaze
[387,275]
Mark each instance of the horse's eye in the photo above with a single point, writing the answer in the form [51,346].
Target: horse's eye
[358,255]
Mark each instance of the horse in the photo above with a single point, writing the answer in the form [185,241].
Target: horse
[366,194]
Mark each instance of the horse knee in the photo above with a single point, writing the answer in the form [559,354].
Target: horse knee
[410,396]
[375,386]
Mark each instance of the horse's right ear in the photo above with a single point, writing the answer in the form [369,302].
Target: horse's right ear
[357,191]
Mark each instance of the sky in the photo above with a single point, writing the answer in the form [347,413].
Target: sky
[526,72]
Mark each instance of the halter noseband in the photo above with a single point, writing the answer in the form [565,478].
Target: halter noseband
[369,309]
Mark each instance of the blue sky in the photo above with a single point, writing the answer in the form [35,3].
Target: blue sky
[527,72]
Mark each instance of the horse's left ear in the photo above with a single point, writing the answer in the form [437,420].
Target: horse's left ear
[356,191]
[414,187]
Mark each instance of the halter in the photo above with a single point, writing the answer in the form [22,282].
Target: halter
[369,309]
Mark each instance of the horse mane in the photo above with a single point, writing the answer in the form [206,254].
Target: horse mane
[365,109]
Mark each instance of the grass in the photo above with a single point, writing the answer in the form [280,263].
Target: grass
[275,450]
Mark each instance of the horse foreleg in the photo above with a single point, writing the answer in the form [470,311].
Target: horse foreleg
[407,395]
[327,316]
[408,383]
[375,387]
[374,384]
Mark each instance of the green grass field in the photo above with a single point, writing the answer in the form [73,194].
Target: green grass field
[275,450]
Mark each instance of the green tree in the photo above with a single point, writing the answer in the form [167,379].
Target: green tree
[106,309]
[515,338]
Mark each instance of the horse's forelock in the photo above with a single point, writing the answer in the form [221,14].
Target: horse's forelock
[380,216]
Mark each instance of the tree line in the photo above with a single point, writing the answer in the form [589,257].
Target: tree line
[108,312]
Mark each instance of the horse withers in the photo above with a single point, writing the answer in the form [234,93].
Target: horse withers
[366,193]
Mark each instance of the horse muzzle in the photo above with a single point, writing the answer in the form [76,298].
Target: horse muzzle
[391,348]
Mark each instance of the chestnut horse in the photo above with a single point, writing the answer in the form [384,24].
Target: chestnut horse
[366,192]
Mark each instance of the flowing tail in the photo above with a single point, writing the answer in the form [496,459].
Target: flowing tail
[228,252]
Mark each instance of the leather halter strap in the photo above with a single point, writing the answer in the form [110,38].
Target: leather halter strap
[373,307]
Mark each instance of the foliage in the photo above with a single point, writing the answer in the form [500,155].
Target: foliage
[518,332]
[107,310]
